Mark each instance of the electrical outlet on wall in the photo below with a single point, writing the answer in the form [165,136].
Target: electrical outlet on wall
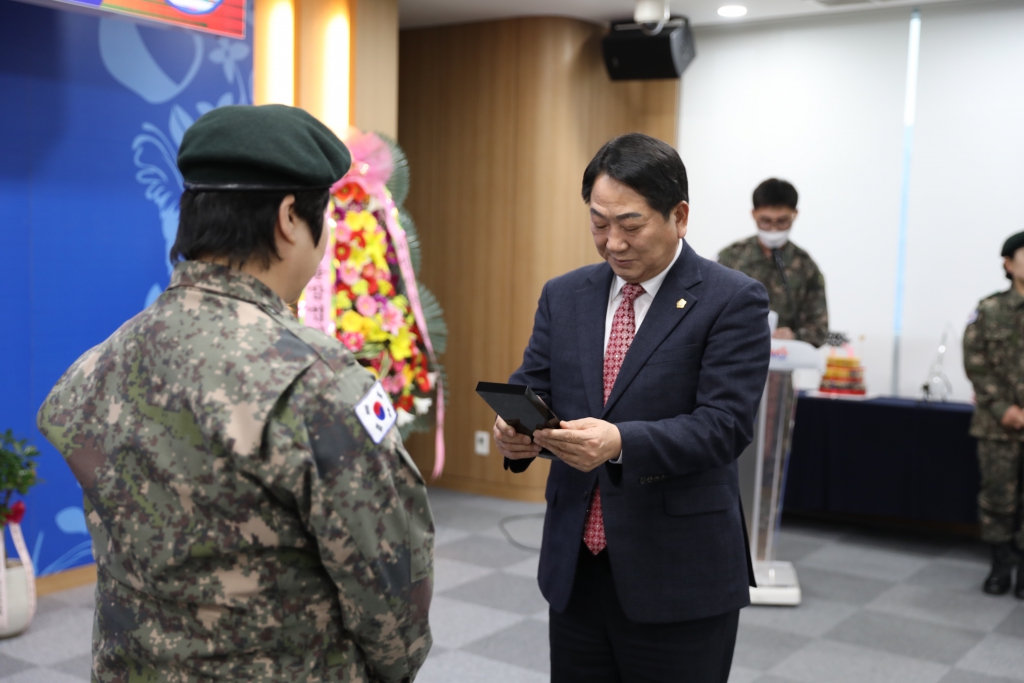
[482,443]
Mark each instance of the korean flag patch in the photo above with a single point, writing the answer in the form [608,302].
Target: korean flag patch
[376,413]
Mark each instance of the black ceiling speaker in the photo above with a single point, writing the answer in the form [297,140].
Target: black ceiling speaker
[633,52]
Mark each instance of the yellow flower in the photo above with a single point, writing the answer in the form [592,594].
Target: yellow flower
[360,287]
[341,300]
[401,345]
[362,221]
[372,331]
[376,247]
[385,288]
[358,256]
[351,322]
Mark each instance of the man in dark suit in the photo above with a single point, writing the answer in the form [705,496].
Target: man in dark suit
[656,360]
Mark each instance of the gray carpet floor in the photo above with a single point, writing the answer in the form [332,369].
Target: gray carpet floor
[878,607]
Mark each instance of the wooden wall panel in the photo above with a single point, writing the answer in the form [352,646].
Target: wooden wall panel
[499,120]
[375,69]
[313,64]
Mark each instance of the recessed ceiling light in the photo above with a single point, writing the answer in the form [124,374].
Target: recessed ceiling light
[732,11]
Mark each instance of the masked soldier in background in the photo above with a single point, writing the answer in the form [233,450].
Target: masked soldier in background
[994,360]
[796,288]
[253,519]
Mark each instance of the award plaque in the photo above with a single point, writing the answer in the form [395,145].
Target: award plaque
[520,408]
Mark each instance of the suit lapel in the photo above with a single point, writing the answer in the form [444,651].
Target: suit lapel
[662,317]
[591,311]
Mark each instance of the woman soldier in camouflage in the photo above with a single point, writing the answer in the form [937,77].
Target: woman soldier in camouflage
[252,519]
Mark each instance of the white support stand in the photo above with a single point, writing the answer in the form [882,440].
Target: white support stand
[763,473]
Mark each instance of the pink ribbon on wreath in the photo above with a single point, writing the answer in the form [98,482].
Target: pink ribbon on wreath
[372,165]
[397,234]
[320,290]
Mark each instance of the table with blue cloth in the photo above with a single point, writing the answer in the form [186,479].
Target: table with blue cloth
[884,457]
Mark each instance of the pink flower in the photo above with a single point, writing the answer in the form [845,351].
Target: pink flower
[371,163]
[350,274]
[393,384]
[343,233]
[353,341]
[392,318]
[366,305]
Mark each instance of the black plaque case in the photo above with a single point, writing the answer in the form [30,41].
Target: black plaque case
[520,408]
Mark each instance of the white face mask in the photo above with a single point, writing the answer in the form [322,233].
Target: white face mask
[773,239]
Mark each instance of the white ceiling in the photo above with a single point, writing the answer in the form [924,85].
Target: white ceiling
[413,13]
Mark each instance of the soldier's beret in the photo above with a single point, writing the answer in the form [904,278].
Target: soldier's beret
[1011,245]
[269,147]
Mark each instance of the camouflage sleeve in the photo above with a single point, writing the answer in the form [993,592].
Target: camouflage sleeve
[727,258]
[366,506]
[990,388]
[813,326]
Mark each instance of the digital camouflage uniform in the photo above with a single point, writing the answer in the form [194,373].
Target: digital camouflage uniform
[802,306]
[994,361]
[245,526]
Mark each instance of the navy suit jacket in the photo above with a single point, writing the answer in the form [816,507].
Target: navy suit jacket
[684,402]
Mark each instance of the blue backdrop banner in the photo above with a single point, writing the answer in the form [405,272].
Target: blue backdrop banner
[93,112]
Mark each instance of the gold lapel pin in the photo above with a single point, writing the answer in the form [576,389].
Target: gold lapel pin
[681,303]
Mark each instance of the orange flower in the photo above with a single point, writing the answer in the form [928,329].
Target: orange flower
[351,192]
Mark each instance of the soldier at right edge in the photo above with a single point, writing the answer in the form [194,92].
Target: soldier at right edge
[994,361]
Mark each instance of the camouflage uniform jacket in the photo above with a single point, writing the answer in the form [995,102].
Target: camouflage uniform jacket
[245,526]
[802,308]
[994,361]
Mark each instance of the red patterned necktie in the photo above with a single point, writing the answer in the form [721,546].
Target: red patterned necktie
[623,329]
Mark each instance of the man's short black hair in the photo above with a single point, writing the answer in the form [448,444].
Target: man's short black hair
[648,165]
[239,225]
[775,192]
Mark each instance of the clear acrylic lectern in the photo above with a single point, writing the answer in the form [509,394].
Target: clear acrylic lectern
[762,469]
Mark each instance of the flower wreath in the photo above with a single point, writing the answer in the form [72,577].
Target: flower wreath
[365,292]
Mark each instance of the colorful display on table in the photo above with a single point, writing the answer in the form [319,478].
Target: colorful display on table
[365,291]
[222,17]
[844,375]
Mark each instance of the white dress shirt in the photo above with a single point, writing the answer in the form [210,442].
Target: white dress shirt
[640,306]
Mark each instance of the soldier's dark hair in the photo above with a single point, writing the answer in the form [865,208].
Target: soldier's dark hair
[239,225]
[648,165]
[775,192]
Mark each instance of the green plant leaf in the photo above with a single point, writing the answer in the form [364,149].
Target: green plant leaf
[398,183]
[433,314]
[17,466]
[412,237]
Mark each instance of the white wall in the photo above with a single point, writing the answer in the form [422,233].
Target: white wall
[820,103]
[967,176]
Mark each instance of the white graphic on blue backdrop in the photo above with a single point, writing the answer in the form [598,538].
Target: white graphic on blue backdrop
[196,6]
[71,521]
[131,62]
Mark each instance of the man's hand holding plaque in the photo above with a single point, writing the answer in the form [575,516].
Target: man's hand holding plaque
[511,443]
[582,444]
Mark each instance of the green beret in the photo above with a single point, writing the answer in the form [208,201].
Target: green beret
[1011,245]
[261,148]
